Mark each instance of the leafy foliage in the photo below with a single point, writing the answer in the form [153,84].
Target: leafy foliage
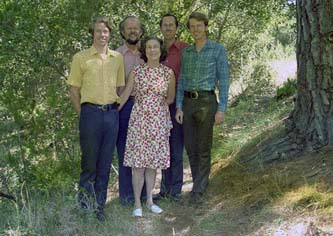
[288,89]
[39,118]
[38,39]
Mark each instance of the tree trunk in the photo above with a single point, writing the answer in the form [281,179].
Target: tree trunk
[311,122]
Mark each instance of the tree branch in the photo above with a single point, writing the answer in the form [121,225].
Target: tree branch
[10,197]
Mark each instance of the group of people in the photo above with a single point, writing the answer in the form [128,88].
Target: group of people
[147,99]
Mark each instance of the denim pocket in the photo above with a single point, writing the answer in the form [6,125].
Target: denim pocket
[88,110]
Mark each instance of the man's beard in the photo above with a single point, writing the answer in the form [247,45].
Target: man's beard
[132,42]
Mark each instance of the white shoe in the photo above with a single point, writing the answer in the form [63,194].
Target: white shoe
[137,212]
[155,209]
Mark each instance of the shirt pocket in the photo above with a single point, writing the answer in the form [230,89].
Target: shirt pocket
[209,67]
[91,70]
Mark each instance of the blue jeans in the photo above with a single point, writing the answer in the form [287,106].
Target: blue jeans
[172,178]
[98,135]
[125,173]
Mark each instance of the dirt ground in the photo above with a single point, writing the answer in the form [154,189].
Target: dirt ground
[258,218]
[222,214]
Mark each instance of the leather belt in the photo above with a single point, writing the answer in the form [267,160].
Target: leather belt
[105,107]
[198,94]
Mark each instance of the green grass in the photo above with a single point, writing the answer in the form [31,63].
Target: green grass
[252,192]
[242,198]
[211,224]
[58,214]
[246,124]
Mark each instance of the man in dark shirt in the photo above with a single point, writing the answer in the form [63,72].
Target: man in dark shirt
[172,178]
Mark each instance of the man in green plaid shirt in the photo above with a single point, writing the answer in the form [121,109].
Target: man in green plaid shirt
[204,68]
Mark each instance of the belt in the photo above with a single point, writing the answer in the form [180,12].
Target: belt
[105,107]
[198,94]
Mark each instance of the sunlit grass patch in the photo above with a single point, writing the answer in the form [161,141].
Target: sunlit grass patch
[254,191]
[307,198]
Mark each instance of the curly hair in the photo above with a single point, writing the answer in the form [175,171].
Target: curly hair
[144,44]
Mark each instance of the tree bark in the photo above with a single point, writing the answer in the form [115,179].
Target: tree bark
[311,122]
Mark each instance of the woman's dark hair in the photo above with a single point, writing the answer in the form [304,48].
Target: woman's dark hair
[144,44]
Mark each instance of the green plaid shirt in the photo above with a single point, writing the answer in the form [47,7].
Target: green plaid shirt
[204,70]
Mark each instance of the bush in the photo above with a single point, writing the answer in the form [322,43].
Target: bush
[288,89]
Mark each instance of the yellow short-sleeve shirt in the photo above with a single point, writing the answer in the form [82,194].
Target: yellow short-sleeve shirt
[97,78]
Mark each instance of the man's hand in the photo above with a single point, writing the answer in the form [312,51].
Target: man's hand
[179,116]
[219,117]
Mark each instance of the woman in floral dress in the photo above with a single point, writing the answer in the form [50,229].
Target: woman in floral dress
[147,146]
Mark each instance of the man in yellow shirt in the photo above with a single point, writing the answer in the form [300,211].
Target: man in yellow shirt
[95,75]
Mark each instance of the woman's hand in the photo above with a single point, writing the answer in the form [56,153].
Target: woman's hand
[171,89]
[127,91]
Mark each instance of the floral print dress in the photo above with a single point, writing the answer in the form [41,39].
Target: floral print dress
[147,144]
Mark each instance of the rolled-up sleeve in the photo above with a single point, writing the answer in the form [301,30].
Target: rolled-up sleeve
[75,75]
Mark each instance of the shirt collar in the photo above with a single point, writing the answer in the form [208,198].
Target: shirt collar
[208,44]
[93,51]
[177,44]
[125,49]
